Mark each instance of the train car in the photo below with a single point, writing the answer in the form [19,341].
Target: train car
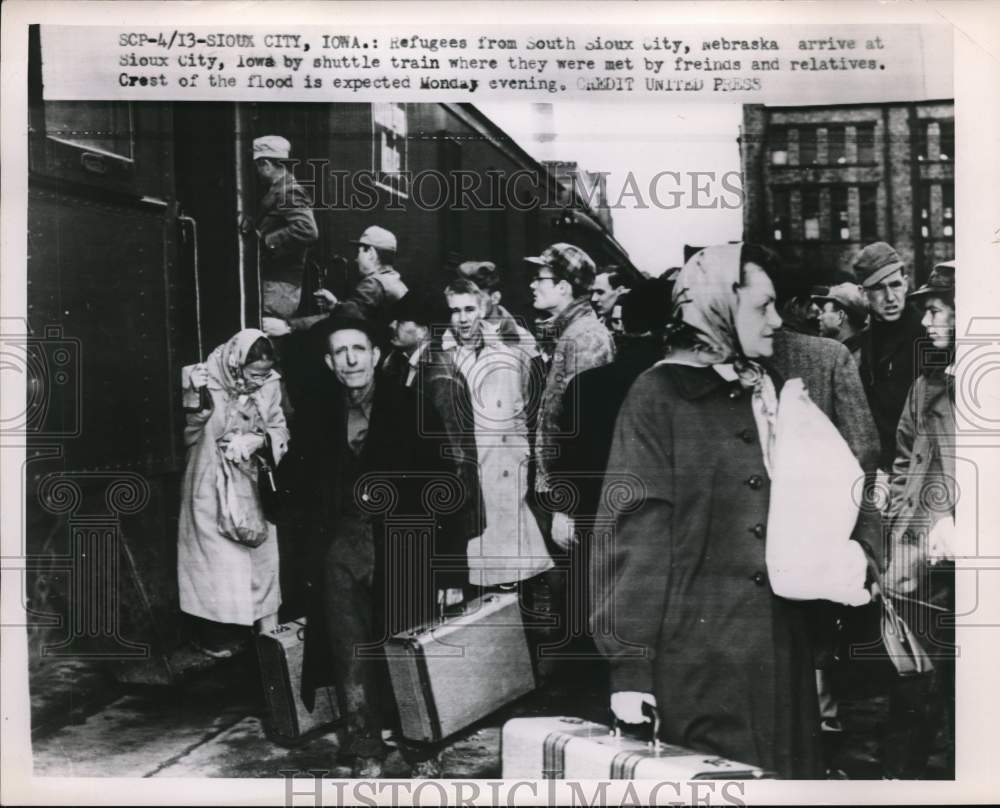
[136,267]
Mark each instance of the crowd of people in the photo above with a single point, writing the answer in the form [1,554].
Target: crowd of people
[647,414]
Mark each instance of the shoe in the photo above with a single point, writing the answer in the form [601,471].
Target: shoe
[426,770]
[215,653]
[367,768]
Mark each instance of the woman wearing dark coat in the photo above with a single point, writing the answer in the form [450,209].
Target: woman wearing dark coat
[687,617]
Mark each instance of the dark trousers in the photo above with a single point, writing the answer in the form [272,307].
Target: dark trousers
[347,598]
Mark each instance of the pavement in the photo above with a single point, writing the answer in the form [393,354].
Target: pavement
[214,724]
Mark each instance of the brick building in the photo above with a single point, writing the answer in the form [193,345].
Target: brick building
[820,182]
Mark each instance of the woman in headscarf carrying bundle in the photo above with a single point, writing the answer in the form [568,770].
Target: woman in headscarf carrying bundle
[227,554]
[685,613]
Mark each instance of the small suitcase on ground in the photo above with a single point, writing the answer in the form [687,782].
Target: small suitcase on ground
[280,655]
[450,674]
[561,748]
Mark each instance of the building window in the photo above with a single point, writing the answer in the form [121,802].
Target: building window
[947,149]
[924,203]
[922,141]
[389,145]
[948,210]
[865,134]
[840,224]
[778,145]
[780,213]
[808,148]
[810,214]
[836,144]
[868,198]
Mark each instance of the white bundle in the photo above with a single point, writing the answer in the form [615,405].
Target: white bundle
[810,554]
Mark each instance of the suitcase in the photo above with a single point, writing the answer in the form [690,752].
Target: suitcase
[280,655]
[447,675]
[561,748]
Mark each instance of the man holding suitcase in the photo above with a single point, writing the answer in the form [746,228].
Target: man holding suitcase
[368,466]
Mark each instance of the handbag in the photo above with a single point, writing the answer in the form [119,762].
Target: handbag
[240,517]
[901,645]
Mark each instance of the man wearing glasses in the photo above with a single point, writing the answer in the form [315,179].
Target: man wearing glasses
[564,275]
[887,353]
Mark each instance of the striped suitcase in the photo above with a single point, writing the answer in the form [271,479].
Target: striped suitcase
[280,655]
[447,675]
[561,748]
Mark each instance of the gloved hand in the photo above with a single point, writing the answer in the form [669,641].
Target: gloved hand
[942,541]
[325,299]
[563,530]
[241,447]
[275,326]
[627,706]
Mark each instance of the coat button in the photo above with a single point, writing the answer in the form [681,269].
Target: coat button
[734,393]
[759,578]
[506,473]
[920,458]
[747,436]
[755,481]
[758,530]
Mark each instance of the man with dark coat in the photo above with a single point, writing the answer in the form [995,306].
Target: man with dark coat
[367,467]
[888,368]
[285,228]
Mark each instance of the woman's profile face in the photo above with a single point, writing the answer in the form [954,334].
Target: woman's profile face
[256,373]
[939,321]
[756,317]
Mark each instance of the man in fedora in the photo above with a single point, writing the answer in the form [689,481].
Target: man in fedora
[380,287]
[285,228]
[843,316]
[887,362]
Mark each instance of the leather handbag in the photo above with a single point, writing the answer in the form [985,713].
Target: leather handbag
[901,645]
[268,488]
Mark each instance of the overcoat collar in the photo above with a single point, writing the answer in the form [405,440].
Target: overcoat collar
[696,382]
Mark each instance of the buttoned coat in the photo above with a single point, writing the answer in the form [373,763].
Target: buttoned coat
[511,548]
[685,610]
[922,485]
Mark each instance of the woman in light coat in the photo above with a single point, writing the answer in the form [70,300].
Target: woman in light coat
[220,580]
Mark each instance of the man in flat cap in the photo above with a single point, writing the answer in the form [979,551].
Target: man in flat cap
[285,228]
[843,316]
[380,286]
[887,361]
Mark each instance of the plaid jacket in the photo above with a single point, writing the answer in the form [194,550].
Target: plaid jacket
[582,342]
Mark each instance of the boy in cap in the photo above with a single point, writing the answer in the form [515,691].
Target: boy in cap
[561,289]
[887,366]
[285,227]
[380,286]
[843,316]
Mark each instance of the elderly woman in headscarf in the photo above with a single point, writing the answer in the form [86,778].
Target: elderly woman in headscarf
[223,583]
[685,613]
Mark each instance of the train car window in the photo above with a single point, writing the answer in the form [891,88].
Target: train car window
[389,152]
[99,126]
[88,141]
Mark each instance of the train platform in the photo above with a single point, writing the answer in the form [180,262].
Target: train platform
[213,724]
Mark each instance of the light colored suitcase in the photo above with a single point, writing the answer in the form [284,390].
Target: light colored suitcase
[562,748]
[280,655]
[448,675]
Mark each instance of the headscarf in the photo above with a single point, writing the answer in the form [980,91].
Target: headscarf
[705,298]
[225,364]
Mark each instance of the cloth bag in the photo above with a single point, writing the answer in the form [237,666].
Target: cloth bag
[809,551]
[240,516]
